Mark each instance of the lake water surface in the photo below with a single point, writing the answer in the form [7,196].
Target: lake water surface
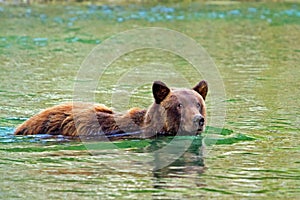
[255,155]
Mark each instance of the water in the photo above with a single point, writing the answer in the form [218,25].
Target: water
[256,49]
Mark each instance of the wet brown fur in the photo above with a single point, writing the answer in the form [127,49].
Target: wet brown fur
[163,116]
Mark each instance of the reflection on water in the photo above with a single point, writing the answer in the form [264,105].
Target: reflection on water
[69,169]
[151,168]
[189,165]
[256,49]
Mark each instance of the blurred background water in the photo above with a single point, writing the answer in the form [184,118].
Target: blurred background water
[254,45]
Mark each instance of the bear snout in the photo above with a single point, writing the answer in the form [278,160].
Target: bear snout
[199,120]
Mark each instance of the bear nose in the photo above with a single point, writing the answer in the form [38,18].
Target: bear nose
[199,119]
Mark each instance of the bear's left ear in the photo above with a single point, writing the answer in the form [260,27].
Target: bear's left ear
[201,88]
[160,91]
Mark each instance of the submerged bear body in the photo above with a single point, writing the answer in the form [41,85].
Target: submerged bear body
[178,111]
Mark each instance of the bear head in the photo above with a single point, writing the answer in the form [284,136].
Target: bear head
[177,111]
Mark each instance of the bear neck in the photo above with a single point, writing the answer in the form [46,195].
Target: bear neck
[148,122]
[153,120]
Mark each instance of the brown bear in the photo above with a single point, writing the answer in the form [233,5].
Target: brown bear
[176,111]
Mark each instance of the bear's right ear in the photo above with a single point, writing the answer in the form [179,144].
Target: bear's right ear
[160,91]
[201,88]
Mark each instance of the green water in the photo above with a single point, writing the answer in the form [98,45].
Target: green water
[256,49]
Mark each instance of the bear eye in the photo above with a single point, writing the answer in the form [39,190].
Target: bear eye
[179,106]
[198,105]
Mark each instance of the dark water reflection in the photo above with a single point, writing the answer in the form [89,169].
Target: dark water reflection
[189,165]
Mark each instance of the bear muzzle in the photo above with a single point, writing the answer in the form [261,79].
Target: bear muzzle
[194,126]
[199,122]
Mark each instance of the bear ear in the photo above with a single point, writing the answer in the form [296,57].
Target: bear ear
[160,91]
[201,88]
